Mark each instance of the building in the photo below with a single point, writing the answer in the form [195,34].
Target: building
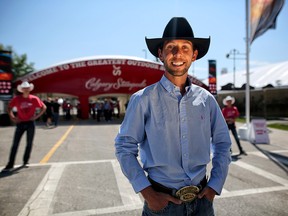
[268,90]
[275,75]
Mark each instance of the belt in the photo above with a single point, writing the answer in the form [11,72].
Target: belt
[25,122]
[185,194]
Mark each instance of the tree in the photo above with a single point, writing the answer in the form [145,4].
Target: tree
[20,67]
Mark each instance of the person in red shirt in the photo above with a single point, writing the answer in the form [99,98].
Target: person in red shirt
[26,105]
[230,113]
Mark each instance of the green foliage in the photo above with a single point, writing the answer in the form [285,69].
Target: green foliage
[20,66]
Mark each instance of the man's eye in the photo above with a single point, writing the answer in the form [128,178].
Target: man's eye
[169,47]
[185,48]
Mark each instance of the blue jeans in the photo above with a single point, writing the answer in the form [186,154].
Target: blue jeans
[20,129]
[198,207]
[56,118]
[232,127]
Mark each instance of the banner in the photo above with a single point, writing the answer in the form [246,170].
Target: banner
[259,132]
[212,77]
[263,15]
[6,75]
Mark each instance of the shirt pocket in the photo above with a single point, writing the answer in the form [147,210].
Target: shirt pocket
[200,126]
[163,114]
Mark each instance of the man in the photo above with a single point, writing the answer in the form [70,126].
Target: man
[174,122]
[26,105]
[49,111]
[56,107]
[230,113]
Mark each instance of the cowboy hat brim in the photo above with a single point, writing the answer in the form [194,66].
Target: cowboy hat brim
[201,44]
[20,88]
[232,99]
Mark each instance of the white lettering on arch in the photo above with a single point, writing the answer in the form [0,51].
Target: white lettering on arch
[95,84]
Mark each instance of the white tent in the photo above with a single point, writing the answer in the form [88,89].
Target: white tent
[274,74]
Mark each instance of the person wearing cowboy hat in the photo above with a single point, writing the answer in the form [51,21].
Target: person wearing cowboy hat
[230,113]
[26,105]
[173,124]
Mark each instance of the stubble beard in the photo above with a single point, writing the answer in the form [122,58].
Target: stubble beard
[176,72]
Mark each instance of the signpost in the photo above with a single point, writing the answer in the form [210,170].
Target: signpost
[6,75]
[6,91]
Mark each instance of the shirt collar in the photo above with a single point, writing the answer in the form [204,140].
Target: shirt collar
[171,88]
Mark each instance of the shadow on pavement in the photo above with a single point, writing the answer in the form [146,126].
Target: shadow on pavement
[4,174]
[236,157]
[278,159]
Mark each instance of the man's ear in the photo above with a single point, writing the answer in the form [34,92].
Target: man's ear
[160,56]
[195,54]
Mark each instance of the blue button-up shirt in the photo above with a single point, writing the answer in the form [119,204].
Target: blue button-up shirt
[174,135]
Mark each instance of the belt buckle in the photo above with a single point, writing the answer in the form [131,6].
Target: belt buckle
[188,193]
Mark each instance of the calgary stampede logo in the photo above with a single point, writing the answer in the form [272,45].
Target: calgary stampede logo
[94,84]
[116,71]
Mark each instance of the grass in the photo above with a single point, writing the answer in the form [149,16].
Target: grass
[272,125]
[278,126]
[241,120]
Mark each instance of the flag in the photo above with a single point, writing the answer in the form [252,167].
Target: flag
[212,77]
[263,15]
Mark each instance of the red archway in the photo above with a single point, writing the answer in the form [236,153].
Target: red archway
[97,75]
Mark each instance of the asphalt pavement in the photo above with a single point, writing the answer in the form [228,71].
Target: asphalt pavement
[73,172]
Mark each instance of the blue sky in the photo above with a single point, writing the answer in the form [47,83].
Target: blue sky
[53,31]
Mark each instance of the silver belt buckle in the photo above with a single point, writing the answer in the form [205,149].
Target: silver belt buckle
[188,193]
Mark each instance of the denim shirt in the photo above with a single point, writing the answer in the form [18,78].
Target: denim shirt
[174,136]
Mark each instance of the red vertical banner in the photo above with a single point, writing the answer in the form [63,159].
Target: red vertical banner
[263,15]
[6,75]
[212,77]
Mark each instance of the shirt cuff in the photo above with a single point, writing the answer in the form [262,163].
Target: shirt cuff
[140,183]
[215,186]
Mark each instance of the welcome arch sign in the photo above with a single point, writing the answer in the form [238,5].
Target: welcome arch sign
[97,75]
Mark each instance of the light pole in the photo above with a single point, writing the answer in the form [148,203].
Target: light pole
[232,55]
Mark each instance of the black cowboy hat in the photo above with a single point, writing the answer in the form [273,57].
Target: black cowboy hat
[178,28]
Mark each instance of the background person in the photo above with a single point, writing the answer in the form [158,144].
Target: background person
[107,109]
[173,123]
[99,110]
[56,109]
[49,111]
[230,113]
[26,105]
[66,106]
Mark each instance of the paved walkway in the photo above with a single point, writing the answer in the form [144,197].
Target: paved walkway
[73,172]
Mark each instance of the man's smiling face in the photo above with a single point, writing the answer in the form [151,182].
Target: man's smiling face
[177,56]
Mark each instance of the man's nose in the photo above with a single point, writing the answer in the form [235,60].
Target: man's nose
[176,51]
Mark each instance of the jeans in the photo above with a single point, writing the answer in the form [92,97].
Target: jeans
[21,127]
[198,207]
[56,118]
[232,127]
